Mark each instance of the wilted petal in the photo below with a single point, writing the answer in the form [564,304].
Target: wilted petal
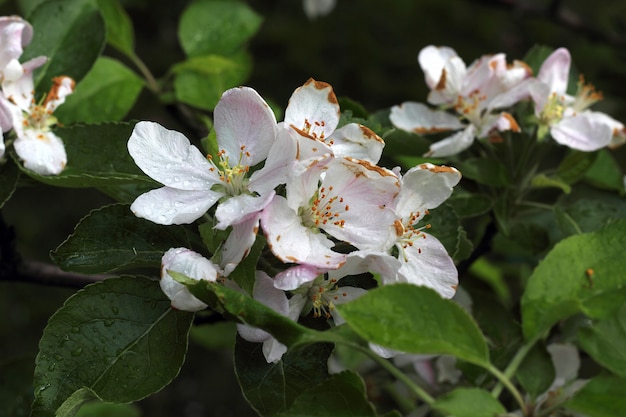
[190,264]
[419,118]
[584,132]
[244,125]
[61,88]
[454,144]
[172,206]
[168,157]
[357,141]
[42,152]
[313,110]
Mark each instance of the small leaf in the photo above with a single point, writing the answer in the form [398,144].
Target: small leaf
[536,373]
[71,33]
[9,176]
[603,396]
[113,239]
[484,171]
[576,270]
[342,395]
[216,27]
[106,94]
[74,402]
[604,341]
[416,319]
[119,338]
[244,274]
[445,225]
[606,172]
[119,28]
[272,387]
[96,156]
[470,205]
[575,165]
[543,181]
[469,402]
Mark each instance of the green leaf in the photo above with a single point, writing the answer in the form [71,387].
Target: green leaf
[245,272]
[416,319]
[212,238]
[99,409]
[96,156]
[216,27]
[575,271]
[604,341]
[469,205]
[445,225]
[9,176]
[119,338]
[113,239]
[469,402]
[200,81]
[603,396]
[588,210]
[74,402]
[272,387]
[342,395]
[106,93]
[536,373]
[484,171]
[71,33]
[119,28]
[575,165]
[605,172]
[543,181]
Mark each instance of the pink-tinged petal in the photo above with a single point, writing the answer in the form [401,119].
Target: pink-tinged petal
[304,180]
[357,141]
[277,165]
[512,95]
[354,203]
[425,187]
[432,60]
[238,243]
[292,242]
[42,152]
[419,118]
[173,206]
[374,261]
[555,70]
[584,132]
[292,278]
[6,114]
[2,145]
[540,94]
[313,110]
[190,264]
[240,208]
[428,264]
[15,33]
[168,157]
[454,144]
[245,126]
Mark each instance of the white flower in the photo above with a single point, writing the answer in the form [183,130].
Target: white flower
[317,8]
[190,264]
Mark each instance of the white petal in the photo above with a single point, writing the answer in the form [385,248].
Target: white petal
[190,264]
[244,123]
[566,360]
[555,70]
[432,60]
[419,118]
[291,242]
[292,278]
[317,8]
[584,132]
[15,33]
[313,109]
[451,84]
[357,141]
[277,165]
[428,264]
[42,152]
[168,157]
[273,350]
[238,243]
[239,208]
[453,144]
[172,206]
[61,88]
[377,262]
[425,187]
[344,295]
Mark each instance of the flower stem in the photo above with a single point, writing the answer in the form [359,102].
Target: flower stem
[153,85]
[504,380]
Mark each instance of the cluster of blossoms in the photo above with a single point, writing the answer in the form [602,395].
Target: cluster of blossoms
[30,120]
[470,102]
[316,192]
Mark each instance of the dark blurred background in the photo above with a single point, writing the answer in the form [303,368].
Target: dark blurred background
[367,50]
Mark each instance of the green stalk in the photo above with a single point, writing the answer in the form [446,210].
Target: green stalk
[504,380]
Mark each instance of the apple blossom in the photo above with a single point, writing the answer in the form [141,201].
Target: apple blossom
[567,117]
[474,93]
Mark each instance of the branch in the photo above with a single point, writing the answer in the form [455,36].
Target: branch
[48,274]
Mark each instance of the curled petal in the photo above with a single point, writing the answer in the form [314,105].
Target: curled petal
[454,144]
[172,206]
[432,60]
[357,141]
[419,118]
[292,278]
[313,110]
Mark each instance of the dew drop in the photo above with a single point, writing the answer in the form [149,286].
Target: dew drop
[115,310]
[77,351]
[44,387]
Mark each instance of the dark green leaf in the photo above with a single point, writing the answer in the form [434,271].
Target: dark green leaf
[469,205]
[603,396]
[96,156]
[606,172]
[605,339]
[588,210]
[543,181]
[106,94]
[9,175]
[119,338]
[113,239]
[71,33]
[575,165]
[416,319]
[212,238]
[74,402]
[445,225]
[469,402]
[119,28]
[200,81]
[342,395]
[272,387]
[245,272]
[99,409]
[536,373]
[216,27]
[575,271]
[16,380]
[484,171]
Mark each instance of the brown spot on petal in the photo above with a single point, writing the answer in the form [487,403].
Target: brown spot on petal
[292,259]
[371,167]
[368,133]
[429,130]
[512,122]
[56,85]
[441,85]
[278,238]
[399,227]
[438,168]
[454,287]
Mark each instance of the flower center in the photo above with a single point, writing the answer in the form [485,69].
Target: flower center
[324,293]
[470,107]
[234,178]
[39,117]
[408,234]
[324,210]
[586,95]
